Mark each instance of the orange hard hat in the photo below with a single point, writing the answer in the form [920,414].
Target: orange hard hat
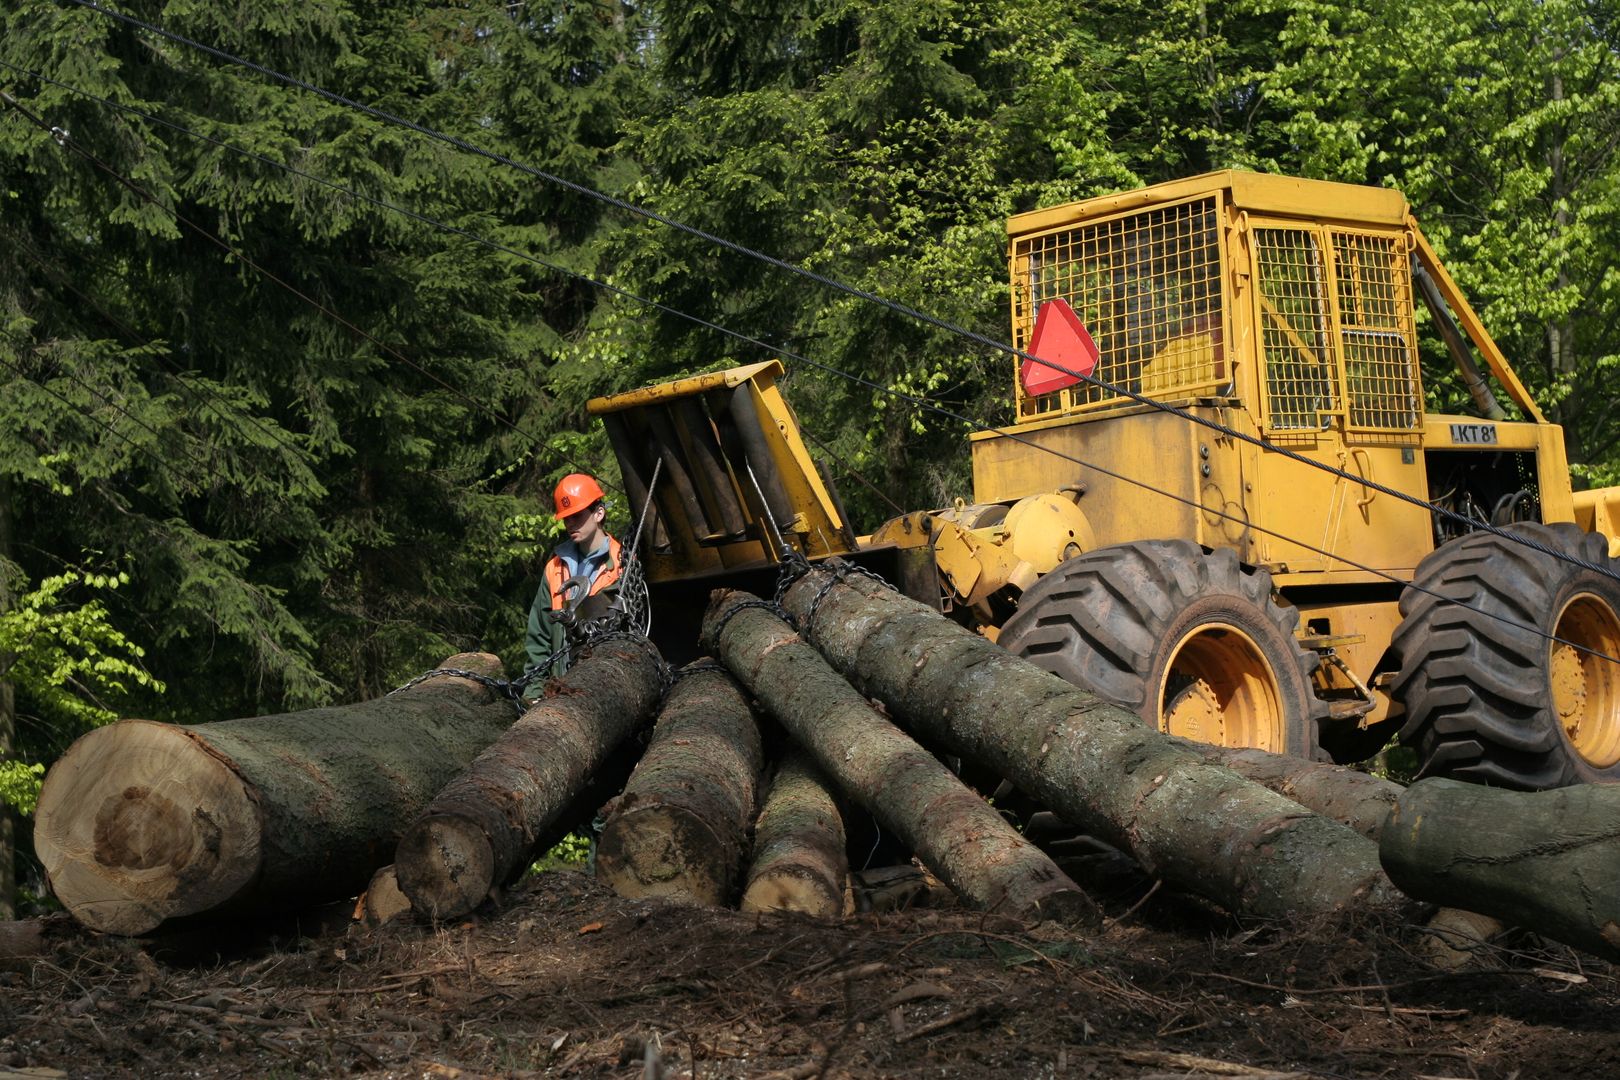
[576,492]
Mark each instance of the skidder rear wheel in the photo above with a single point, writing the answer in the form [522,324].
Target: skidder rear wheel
[1188,640]
[1507,660]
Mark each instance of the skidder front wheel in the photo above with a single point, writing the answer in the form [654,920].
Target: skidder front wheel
[1188,640]
[1508,660]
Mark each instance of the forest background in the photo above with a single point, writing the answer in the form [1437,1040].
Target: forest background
[284,388]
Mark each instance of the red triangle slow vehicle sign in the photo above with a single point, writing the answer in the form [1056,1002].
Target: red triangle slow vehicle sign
[1060,339]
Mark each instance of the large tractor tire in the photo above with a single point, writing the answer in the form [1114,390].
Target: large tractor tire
[1189,640]
[1508,657]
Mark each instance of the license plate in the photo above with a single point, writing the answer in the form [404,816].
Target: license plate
[1474,434]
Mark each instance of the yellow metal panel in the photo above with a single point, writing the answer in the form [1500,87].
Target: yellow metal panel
[1598,510]
[696,384]
[728,449]
[1552,470]
[1339,516]
[1258,192]
[818,518]
[1154,448]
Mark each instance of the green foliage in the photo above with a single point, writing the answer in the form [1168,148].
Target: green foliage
[67,657]
[67,662]
[19,785]
[569,853]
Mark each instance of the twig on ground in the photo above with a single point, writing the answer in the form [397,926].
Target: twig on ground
[959,1017]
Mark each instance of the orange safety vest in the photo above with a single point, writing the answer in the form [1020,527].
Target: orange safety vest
[557,575]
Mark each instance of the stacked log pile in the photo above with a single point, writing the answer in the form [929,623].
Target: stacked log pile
[1188,821]
[952,830]
[740,790]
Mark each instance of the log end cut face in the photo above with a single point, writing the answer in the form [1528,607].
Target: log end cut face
[137,823]
[446,865]
[662,850]
[802,890]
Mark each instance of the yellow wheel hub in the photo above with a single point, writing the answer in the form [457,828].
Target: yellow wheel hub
[1218,688]
[1585,678]
[1194,712]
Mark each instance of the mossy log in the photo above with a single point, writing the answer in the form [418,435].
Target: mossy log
[955,832]
[680,829]
[1197,825]
[800,862]
[1352,798]
[140,823]
[1543,860]
[481,829]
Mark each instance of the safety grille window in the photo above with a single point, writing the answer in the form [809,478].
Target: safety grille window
[1148,288]
[1295,329]
[1373,275]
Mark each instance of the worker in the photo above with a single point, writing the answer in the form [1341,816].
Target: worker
[579,578]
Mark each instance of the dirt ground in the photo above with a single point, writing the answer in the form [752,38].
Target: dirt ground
[562,978]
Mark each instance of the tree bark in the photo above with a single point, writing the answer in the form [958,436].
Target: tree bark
[8,717]
[1196,825]
[681,827]
[1544,860]
[480,830]
[800,861]
[140,823]
[950,828]
[1356,799]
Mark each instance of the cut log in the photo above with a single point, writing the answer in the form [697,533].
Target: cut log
[1193,824]
[1343,794]
[1458,939]
[140,823]
[383,901]
[680,830]
[955,832]
[1543,860]
[481,829]
[800,862]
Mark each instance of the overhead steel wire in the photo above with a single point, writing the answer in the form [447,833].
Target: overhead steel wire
[894,306]
[921,402]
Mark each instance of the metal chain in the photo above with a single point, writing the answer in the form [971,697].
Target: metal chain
[765,605]
[793,567]
[512,689]
[841,570]
[698,667]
